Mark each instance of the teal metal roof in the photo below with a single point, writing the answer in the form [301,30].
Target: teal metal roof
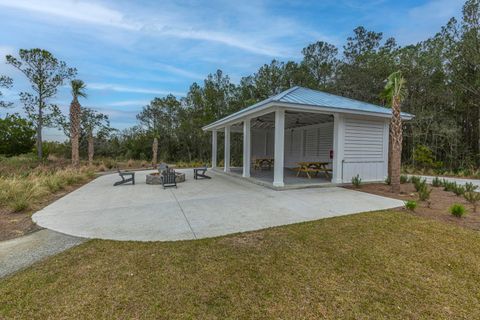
[314,98]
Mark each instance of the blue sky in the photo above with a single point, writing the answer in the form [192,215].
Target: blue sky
[129,52]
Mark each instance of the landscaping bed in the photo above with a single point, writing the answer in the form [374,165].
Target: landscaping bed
[437,207]
[17,224]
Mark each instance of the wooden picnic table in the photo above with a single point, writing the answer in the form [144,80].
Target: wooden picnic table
[263,163]
[315,167]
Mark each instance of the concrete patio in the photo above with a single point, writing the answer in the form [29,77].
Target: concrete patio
[290,178]
[197,209]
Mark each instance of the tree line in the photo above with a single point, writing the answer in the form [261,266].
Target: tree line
[442,85]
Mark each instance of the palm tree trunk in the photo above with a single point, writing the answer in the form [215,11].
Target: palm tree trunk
[396,129]
[154,151]
[75,131]
[90,148]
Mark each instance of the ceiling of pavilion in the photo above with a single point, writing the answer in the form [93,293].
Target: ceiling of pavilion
[292,120]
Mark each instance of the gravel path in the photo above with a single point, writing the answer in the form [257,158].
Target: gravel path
[20,253]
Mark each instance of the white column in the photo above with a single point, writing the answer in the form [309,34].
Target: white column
[279,148]
[246,148]
[338,147]
[226,159]
[214,148]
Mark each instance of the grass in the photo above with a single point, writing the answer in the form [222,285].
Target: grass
[375,265]
[19,192]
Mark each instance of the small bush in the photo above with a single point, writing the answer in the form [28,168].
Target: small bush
[472,197]
[470,187]
[411,205]
[424,158]
[357,181]
[424,193]
[403,179]
[420,184]
[449,186]
[457,210]
[388,181]
[415,179]
[459,190]
[436,182]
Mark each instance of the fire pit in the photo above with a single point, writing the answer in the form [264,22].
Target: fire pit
[156,178]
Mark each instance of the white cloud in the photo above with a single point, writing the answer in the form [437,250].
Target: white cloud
[179,23]
[179,71]
[121,88]
[128,103]
[88,12]
[436,10]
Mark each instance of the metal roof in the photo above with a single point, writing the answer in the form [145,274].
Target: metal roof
[313,98]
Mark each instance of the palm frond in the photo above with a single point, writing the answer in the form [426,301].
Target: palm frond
[395,87]
[78,88]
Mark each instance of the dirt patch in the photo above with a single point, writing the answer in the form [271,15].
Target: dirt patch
[436,208]
[14,225]
[249,239]
[17,224]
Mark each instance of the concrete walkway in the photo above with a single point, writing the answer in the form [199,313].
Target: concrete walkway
[197,209]
[19,253]
[459,181]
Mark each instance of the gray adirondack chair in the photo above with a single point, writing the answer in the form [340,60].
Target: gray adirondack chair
[200,173]
[130,177]
[169,179]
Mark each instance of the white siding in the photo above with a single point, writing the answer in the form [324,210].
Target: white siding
[262,143]
[365,148]
[310,143]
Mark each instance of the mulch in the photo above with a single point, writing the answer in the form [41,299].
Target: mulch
[437,207]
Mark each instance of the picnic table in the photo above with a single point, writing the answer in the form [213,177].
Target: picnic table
[263,163]
[315,167]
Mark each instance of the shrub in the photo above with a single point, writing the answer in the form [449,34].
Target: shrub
[459,190]
[403,178]
[411,205]
[388,181]
[357,181]
[448,185]
[424,193]
[436,182]
[17,135]
[457,210]
[415,179]
[472,197]
[470,187]
[420,184]
[424,158]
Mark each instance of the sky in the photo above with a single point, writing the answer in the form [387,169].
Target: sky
[129,52]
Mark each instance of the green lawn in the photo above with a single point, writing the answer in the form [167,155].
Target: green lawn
[372,265]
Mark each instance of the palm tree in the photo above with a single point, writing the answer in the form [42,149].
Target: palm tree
[395,92]
[78,90]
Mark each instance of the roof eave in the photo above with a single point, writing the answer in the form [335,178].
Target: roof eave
[270,104]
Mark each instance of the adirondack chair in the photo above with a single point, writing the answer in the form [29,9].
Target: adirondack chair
[130,177]
[200,173]
[162,167]
[169,179]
